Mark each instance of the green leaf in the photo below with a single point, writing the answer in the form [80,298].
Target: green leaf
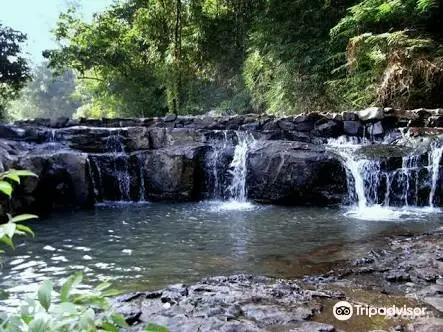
[25,229]
[44,294]
[9,229]
[7,241]
[151,327]
[103,286]
[67,308]
[12,176]
[109,327]
[38,325]
[6,188]
[119,320]
[23,217]
[71,282]
[22,172]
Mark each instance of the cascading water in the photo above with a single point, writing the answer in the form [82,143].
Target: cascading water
[114,182]
[235,191]
[237,188]
[142,180]
[115,145]
[434,161]
[373,191]
[213,161]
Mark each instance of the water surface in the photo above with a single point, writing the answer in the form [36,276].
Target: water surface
[142,247]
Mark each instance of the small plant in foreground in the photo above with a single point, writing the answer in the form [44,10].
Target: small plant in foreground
[13,226]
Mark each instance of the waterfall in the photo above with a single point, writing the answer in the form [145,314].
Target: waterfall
[142,180]
[213,163]
[434,162]
[52,137]
[370,186]
[237,188]
[120,161]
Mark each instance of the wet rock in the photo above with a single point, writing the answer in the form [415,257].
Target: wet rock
[233,303]
[398,276]
[329,128]
[371,114]
[352,128]
[301,173]
[174,173]
[59,122]
[285,124]
[376,129]
[170,117]
[349,116]
[63,180]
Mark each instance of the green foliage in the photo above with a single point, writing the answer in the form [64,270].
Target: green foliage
[46,96]
[13,226]
[393,57]
[14,70]
[144,58]
[68,311]
[288,56]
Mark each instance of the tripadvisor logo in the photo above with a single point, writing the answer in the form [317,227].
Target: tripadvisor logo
[344,310]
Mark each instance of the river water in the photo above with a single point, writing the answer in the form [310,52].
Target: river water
[147,246]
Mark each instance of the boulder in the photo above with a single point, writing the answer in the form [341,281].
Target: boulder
[353,128]
[63,180]
[294,173]
[371,114]
[170,117]
[174,173]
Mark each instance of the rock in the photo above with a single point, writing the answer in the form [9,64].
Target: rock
[349,116]
[430,324]
[376,129]
[329,128]
[371,114]
[312,327]
[170,117]
[59,122]
[233,303]
[63,180]
[436,302]
[285,124]
[353,128]
[302,173]
[173,173]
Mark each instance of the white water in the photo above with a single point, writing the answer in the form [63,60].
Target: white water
[364,178]
[434,161]
[237,191]
[213,160]
[237,188]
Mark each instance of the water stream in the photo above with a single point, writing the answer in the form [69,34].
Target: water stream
[386,193]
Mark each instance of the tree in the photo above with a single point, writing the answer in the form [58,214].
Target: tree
[46,96]
[289,55]
[394,54]
[14,70]
[147,57]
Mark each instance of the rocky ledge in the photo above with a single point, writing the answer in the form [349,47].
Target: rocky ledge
[81,162]
[407,272]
